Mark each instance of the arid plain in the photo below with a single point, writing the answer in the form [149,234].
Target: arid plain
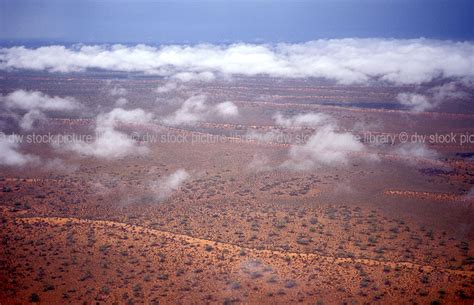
[294,191]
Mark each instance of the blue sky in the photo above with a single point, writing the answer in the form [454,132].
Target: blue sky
[218,21]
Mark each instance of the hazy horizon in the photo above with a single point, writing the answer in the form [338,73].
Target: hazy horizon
[237,152]
[223,22]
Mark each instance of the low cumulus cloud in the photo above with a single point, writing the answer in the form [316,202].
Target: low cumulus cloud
[109,142]
[28,120]
[195,109]
[11,155]
[310,119]
[58,165]
[259,163]
[416,102]
[27,100]
[35,103]
[117,91]
[205,76]
[166,186]
[301,120]
[326,147]
[226,109]
[346,61]
[168,87]
[178,81]
[416,150]
[432,98]
[121,101]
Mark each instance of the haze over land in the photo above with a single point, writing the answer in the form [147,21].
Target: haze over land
[314,171]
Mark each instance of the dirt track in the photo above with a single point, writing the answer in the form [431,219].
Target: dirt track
[230,246]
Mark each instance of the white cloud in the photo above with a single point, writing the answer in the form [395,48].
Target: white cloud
[301,120]
[167,87]
[416,150]
[28,120]
[259,163]
[416,102]
[35,102]
[177,81]
[10,154]
[117,91]
[195,109]
[109,120]
[434,97]
[164,187]
[191,111]
[205,76]
[58,165]
[447,91]
[120,102]
[325,147]
[346,61]
[227,109]
[27,100]
[111,143]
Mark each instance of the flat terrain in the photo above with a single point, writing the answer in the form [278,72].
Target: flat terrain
[386,227]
